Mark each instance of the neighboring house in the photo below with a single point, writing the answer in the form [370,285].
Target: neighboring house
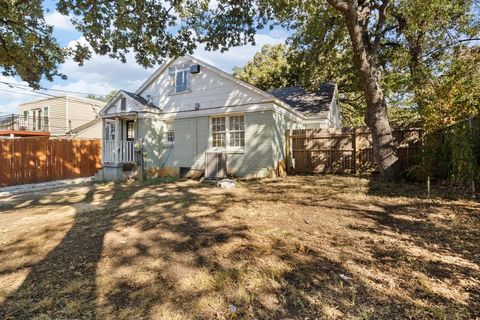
[190,117]
[55,116]
[89,130]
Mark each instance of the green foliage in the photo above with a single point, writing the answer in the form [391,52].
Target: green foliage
[453,154]
[27,48]
[269,69]
[105,98]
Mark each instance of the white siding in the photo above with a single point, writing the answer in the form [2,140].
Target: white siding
[208,88]
[62,109]
[57,113]
[81,112]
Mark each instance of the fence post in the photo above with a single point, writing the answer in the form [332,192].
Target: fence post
[288,155]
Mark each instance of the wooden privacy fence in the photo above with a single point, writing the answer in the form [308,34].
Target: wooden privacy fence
[344,150]
[29,160]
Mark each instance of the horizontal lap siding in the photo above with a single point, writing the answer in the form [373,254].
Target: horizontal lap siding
[57,113]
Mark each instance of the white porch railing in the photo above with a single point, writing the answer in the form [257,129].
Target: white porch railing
[121,153]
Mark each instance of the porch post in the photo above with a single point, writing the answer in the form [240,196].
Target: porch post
[118,132]
[104,138]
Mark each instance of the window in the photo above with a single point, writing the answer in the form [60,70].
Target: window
[180,78]
[45,117]
[130,130]
[109,131]
[218,132]
[25,115]
[170,133]
[123,104]
[237,131]
[228,132]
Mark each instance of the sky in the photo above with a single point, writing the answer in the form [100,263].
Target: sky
[101,74]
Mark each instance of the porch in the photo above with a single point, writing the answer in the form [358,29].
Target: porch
[119,139]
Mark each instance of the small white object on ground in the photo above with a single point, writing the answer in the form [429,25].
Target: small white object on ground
[226,184]
[232,308]
[344,277]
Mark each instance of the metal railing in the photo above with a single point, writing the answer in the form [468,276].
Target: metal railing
[124,151]
[15,122]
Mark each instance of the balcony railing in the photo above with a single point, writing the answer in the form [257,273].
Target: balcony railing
[121,153]
[15,122]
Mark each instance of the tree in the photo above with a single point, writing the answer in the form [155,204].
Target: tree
[269,69]
[105,98]
[363,30]
[27,47]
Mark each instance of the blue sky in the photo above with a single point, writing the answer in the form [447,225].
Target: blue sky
[101,74]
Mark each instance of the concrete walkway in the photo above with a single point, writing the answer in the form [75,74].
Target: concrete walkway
[41,186]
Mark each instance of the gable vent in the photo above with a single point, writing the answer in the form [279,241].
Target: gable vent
[194,68]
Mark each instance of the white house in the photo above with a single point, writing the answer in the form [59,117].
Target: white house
[189,117]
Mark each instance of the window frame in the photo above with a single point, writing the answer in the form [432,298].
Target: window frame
[228,147]
[169,128]
[173,72]
[127,129]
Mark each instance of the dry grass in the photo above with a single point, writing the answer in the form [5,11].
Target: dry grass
[301,247]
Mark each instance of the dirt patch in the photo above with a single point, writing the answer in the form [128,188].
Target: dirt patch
[300,247]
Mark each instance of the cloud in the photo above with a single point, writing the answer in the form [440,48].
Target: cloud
[102,74]
[59,21]
[238,56]
[10,98]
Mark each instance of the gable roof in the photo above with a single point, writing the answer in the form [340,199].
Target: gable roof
[85,126]
[139,99]
[309,103]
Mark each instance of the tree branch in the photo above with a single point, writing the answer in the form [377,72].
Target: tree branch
[339,5]
[380,23]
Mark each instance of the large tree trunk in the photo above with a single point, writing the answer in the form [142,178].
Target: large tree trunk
[376,116]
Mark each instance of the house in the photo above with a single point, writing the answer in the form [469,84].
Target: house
[190,118]
[56,116]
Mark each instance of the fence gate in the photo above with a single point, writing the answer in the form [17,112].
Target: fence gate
[344,150]
[215,165]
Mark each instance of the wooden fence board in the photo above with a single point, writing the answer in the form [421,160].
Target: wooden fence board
[30,160]
[344,150]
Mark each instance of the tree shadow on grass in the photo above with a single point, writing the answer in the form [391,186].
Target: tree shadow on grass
[64,283]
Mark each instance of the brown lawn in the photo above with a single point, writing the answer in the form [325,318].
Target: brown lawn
[297,248]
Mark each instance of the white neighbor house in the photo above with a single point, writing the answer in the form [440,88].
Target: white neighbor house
[190,117]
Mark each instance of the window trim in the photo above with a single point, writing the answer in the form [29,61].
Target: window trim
[173,71]
[227,147]
[165,139]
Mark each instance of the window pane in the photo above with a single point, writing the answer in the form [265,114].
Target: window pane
[237,131]
[218,132]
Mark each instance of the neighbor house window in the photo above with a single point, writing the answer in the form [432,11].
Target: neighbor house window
[170,133]
[180,78]
[45,117]
[228,131]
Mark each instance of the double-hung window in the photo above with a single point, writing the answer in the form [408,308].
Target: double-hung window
[169,132]
[180,78]
[228,132]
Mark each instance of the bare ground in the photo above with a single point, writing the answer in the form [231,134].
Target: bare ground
[301,247]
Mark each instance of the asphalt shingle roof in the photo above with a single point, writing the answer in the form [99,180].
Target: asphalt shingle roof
[138,98]
[312,104]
